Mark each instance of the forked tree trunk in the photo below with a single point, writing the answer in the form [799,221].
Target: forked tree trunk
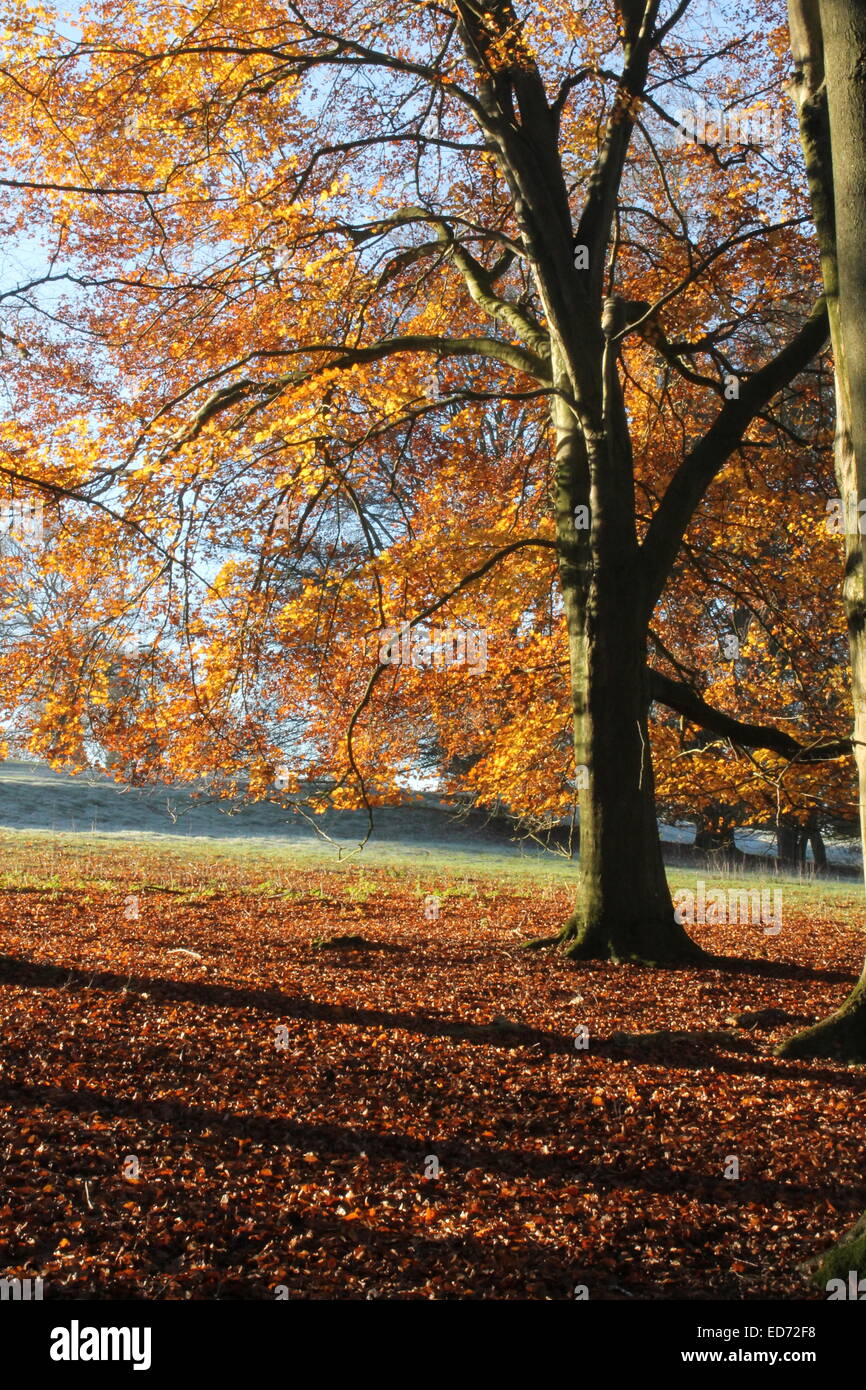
[610,584]
[828,40]
[624,909]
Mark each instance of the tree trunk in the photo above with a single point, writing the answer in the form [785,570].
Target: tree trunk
[842,1036]
[816,840]
[624,909]
[714,834]
[844,38]
[819,851]
[790,846]
[828,41]
[848,1257]
[610,584]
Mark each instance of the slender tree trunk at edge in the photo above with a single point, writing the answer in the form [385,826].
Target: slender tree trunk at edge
[828,40]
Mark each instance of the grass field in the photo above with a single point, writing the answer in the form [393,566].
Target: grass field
[201,1099]
[44,858]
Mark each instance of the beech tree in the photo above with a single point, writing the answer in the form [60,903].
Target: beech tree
[397,311]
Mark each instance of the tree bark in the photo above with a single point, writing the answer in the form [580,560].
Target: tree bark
[624,909]
[828,43]
[816,840]
[841,1260]
[791,845]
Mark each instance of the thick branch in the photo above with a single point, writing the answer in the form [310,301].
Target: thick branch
[597,216]
[700,467]
[518,358]
[680,697]
[478,279]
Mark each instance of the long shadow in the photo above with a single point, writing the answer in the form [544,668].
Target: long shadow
[390,1256]
[776,969]
[336,1141]
[39,975]
[695,1054]
[691,1054]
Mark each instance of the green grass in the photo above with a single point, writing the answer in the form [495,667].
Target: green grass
[44,858]
[198,869]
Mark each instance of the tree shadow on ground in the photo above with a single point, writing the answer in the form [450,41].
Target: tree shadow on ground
[776,969]
[41,975]
[334,1142]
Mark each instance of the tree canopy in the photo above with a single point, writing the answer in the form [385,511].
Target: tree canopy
[483,324]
